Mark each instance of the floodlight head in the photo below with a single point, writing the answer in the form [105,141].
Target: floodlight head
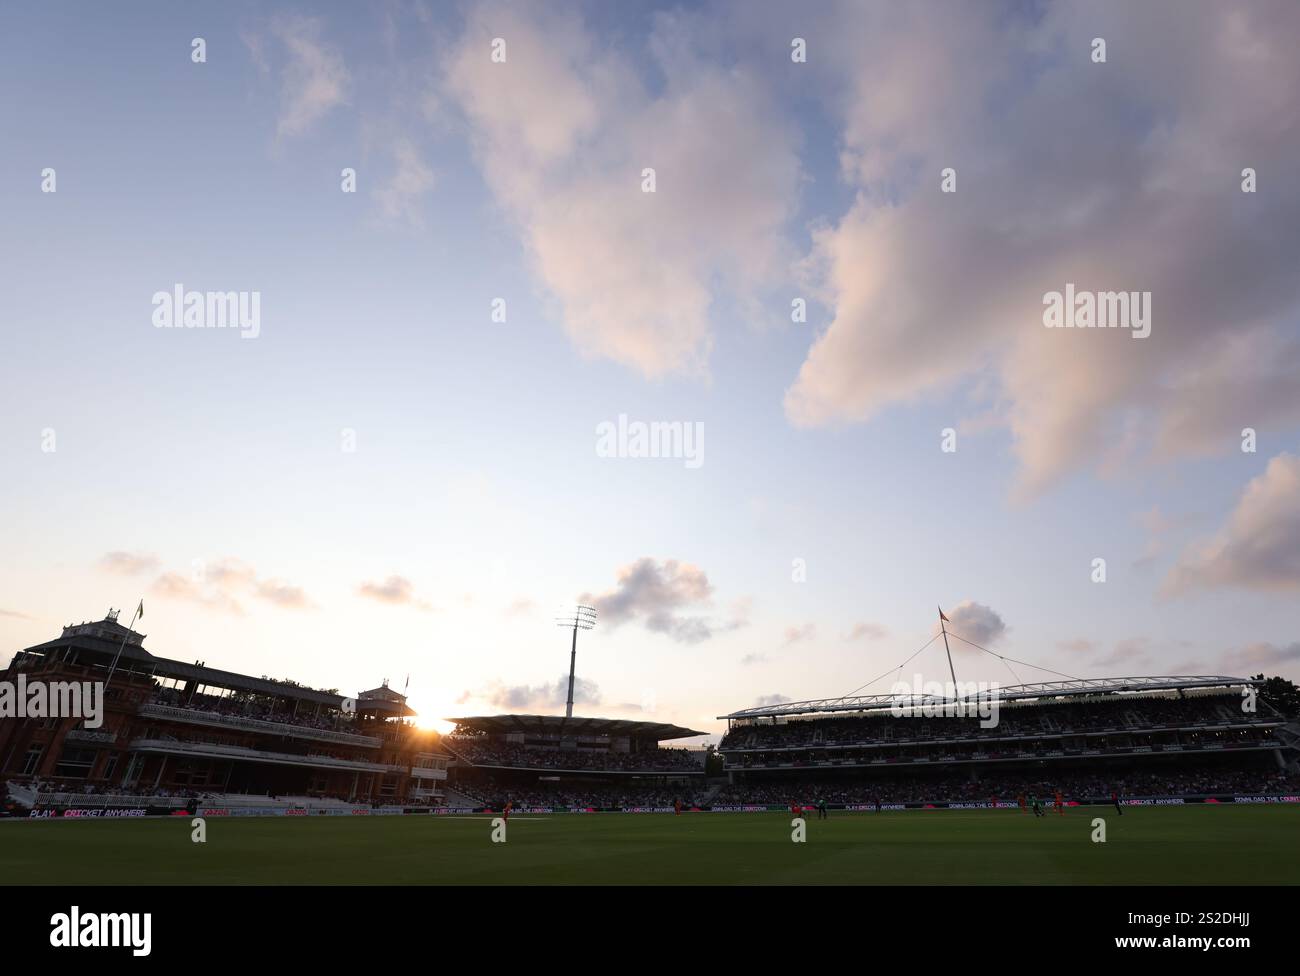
[580,618]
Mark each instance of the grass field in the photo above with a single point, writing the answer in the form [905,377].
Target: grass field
[1170,845]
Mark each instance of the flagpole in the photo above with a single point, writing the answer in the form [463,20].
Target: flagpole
[406,688]
[113,668]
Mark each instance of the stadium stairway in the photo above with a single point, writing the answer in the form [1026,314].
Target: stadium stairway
[1289,736]
[457,799]
[706,799]
[1226,714]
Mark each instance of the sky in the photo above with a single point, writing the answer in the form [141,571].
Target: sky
[819,239]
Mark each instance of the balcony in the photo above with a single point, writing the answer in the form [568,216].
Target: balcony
[418,772]
[195,716]
[213,750]
[86,737]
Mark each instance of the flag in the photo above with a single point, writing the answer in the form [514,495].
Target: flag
[140,610]
[941,615]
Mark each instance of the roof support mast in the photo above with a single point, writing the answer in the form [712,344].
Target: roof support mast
[942,621]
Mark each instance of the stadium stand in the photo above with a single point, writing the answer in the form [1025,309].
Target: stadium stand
[493,794]
[173,732]
[1005,788]
[559,762]
[517,756]
[179,736]
[1182,736]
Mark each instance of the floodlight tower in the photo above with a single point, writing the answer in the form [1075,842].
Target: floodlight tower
[579,618]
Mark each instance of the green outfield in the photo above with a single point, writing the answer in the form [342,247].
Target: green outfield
[1148,845]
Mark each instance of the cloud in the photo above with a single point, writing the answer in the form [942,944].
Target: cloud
[16,615]
[222,585]
[755,657]
[627,707]
[395,590]
[975,622]
[521,607]
[563,130]
[1258,547]
[177,586]
[129,563]
[1144,196]
[1132,649]
[653,593]
[313,79]
[868,631]
[1158,528]
[399,195]
[282,594]
[796,635]
[1077,646]
[554,695]
[741,609]
[229,574]
[1262,655]
[763,701]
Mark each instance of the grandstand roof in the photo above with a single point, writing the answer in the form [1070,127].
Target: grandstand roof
[107,645]
[1046,689]
[659,731]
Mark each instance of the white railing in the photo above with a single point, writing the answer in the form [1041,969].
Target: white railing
[92,800]
[236,800]
[422,772]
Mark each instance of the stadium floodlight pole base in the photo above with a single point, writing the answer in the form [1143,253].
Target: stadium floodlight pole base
[573,662]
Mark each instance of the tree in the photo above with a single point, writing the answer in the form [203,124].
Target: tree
[713,762]
[1281,694]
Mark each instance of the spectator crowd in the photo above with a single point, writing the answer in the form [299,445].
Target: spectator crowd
[481,751]
[1005,788]
[494,793]
[259,708]
[1136,713]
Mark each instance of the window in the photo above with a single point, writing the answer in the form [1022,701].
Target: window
[76,763]
[32,760]
[133,769]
